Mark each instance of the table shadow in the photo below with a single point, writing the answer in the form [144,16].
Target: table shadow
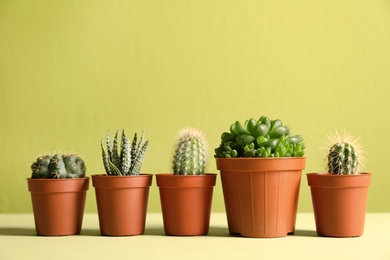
[213,232]
[17,232]
[304,233]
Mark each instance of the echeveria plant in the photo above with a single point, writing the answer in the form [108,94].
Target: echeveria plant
[260,138]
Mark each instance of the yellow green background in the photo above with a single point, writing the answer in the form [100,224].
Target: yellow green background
[71,70]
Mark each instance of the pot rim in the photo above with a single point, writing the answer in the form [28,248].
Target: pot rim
[121,176]
[58,185]
[104,181]
[326,180]
[252,164]
[328,175]
[261,158]
[169,180]
[57,179]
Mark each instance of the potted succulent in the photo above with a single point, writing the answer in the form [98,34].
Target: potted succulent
[339,196]
[58,188]
[261,165]
[186,195]
[122,193]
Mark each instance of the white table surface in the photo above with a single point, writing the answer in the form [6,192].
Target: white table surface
[19,241]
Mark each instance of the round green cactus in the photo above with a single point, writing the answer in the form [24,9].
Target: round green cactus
[344,155]
[58,166]
[191,153]
[342,159]
[260,138]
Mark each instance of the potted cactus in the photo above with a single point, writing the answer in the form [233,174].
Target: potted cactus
[186,195]
[58,188]
[261,165]
[339,196]
[122,193]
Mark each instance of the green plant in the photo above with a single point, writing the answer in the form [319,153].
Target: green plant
[190,152]
[58,166]
[260,138]
[128,160]
[344,154]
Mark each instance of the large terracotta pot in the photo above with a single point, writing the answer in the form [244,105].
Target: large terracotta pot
[122,203]
[58,205]
[261,194]
[339,203]
[186,203]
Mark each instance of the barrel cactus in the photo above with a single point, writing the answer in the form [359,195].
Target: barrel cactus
[60,166]
[123,158]
[260,138]
[190,154]
[344,154]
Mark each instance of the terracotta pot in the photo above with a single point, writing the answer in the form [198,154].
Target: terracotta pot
[58,205]
[186,203]
[122,203]
[261,194]
[339,203]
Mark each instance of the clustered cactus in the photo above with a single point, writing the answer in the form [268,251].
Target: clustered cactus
[343,155]
[190,153]
[260,138]
[58,166]
[128,160]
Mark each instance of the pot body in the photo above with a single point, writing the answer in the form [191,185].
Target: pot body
[186,203]
[58,205]
[261,194]
[339,203]
[122,203]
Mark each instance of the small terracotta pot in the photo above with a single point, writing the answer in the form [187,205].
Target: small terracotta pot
[186,203]
[339,203]
[122,203]
[58,205]
[261,194]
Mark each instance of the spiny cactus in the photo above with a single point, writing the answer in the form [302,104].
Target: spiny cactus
[190,153]
[58,166]
[260,138]
[125,158]
[344,154]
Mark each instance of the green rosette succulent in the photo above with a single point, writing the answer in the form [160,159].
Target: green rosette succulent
[122,157]
[260,138]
